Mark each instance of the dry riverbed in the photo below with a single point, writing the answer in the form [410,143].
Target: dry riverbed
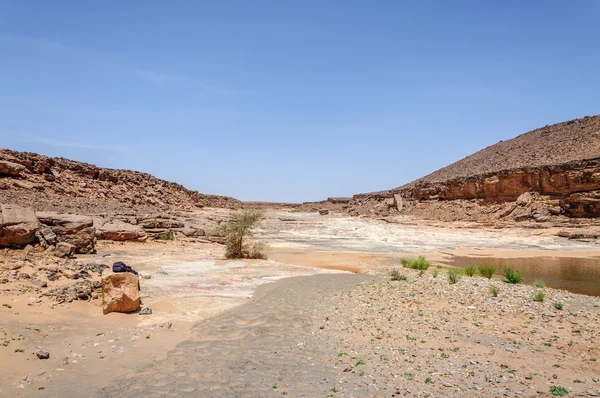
[222,328]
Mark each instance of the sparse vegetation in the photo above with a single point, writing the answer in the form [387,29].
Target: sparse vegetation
[512,276]
[453,276]
[470,270]
[239,227]
[539,296]
[435,273]
[487,270]
[167,235]
[418,264]
[558,306]
[494,290]
[396,275]
[558,391]
[539,284]
[360,362]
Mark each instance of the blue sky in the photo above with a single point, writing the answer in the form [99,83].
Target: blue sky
[290,101]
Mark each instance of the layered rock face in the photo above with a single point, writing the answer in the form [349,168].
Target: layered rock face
[561,163]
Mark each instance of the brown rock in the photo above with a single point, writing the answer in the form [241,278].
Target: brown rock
[323,212]
[118,230]
[17,226]
[578,234]
[64,249]
[120,292]
[76,230]
[11,169]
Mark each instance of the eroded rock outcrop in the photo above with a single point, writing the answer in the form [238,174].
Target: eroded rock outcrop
[118,230]
[18,226]
[74,229]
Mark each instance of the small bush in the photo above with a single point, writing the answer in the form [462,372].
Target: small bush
[539,296]
[167,235]
[239,227]
[435,273]
[494,290]
[558,306]
[512,276]
[419,264]
[487,270]
[453,276]
[396,275]
[470,270]
[558,391]
[539,284]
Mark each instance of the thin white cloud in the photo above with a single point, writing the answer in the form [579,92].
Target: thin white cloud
[156,79]
[70,144]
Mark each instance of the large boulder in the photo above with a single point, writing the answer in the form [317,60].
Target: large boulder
[11,169]
[159,222]
[76,230]
[118,230]
[120,292]
[18,226]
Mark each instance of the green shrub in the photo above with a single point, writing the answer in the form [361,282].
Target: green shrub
[494,290]
[167,235]
[512,276]
[453,276]
[239,227]
[396,275]
[558,306]
[539,284]
[470,270]
[419,264]
[487,270]
[558,391]
[539,296]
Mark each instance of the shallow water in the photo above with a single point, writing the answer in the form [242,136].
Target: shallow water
[577,275]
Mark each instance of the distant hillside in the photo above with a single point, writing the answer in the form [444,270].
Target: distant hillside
[46,183]
[560,143]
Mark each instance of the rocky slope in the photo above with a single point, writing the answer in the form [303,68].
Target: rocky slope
[558,165]
[58,184]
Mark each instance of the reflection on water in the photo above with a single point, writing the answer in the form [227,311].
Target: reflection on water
[577,275]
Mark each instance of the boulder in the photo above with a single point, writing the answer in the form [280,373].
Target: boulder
[160,223]
[526,198]
[11,169]
[323,212]
[118,230]
[18,226]
[120,292]
[76,230]
[398,202]
[64,249]
[578,234]
[191,232]
[49,236]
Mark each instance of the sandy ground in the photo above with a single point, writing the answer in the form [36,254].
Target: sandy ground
[241,331]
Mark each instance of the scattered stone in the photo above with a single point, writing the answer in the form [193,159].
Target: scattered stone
[42,354]
[145,311]
[64,249]
[166,325]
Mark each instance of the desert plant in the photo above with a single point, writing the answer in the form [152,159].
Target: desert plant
[558,391]
[419,264]
[435,273]
[558,306]
[470,270]
[512,276]
[239,227]
[538,283]
[453,276]
[395,275]
[539,296]
[487,270]
[167,235]
[494,290]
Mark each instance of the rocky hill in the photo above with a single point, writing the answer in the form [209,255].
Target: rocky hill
[58,184]
[558,165]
